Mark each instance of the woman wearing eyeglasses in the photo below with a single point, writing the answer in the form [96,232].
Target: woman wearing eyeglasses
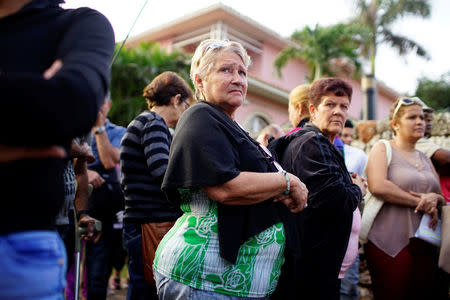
[144,153]
[401,266]
[230,241]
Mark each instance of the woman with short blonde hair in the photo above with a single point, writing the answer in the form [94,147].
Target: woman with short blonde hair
[298,105]
[230,241]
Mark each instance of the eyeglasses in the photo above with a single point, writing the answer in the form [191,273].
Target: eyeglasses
[406,102]
[186,103]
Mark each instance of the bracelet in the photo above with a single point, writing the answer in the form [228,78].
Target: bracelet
[288,183]
[82,212]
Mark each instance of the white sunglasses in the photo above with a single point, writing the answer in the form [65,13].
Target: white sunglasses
[216,45]
[406,102]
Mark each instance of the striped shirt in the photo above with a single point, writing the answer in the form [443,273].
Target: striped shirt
[144,153]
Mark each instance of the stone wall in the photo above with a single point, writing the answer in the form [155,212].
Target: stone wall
[440,133]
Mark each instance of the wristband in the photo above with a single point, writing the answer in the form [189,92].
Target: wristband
[100,130]
[288,183]
[82,212]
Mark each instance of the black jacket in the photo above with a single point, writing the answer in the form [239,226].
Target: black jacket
[210,149]
[325,224]
[39,112]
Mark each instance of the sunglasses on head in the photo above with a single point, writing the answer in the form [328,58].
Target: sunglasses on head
[406,102]
[216,45]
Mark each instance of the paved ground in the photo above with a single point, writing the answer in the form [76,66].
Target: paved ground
[117,295]
[365,294]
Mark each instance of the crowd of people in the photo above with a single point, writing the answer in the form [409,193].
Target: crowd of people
[195,206]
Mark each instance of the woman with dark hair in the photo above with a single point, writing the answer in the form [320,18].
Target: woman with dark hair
[325,225]
[402,266]
[144,156]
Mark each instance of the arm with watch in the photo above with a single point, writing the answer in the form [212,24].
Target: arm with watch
[254,187]
[108,153]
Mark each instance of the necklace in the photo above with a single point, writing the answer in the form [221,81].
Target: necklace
[414,160]
[413,157]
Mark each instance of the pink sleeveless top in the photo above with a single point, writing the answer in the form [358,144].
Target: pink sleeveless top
[396,224]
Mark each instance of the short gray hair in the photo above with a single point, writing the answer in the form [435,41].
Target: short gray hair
[206,54]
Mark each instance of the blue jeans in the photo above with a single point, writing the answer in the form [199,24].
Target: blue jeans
[32,265]
[98,267]
[169,289]
[349,284]
[137,287]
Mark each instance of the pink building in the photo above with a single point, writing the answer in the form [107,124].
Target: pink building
[267,97]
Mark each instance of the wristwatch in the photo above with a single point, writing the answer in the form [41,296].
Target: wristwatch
[100,130]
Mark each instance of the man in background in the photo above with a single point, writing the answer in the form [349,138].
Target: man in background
[438,155]
[269,133]
[105,202]
[355,161]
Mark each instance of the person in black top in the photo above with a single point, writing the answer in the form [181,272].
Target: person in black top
[53,77]
[325,224]
[225,184]
[105,202]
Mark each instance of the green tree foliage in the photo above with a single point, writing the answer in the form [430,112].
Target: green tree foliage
[318,47]
[133,70]
[378,16]
[436,94]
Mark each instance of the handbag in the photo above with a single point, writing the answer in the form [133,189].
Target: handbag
[444,255]
[152,234]
[372,205]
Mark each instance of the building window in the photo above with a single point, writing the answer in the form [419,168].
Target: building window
[255,124]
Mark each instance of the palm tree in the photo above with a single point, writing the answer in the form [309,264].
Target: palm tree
[319,47]
[377,16]
[133,69]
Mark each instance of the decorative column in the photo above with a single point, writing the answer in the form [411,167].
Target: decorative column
[368,86]
[219,31]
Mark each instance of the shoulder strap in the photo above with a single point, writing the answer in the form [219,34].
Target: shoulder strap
[388,146]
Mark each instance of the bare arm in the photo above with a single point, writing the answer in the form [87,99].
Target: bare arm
[82,151]
[109,155]
[82,198]
[378,183]
[251,187]
[441,160]
[13,153]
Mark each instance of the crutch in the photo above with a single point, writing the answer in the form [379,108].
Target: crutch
[78,232]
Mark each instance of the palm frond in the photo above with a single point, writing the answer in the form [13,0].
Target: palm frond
[393,10]
[318,46]
[403,44]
